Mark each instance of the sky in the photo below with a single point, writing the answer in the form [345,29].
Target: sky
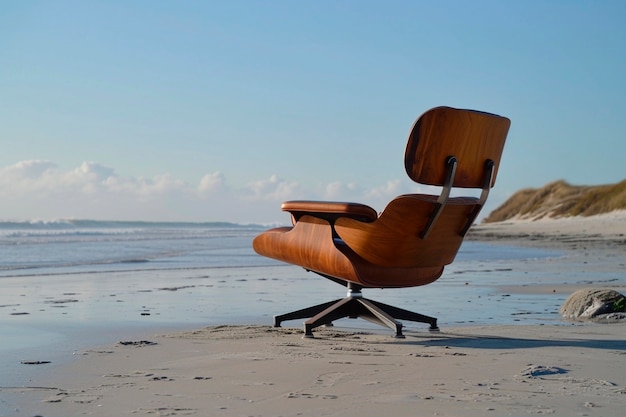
[220,110]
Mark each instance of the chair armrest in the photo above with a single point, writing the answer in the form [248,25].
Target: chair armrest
[330,210]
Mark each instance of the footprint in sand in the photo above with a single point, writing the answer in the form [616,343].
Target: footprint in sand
[312,396]
[330,379]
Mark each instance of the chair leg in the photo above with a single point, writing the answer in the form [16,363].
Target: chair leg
[304,313]
[337,310]
[402,314]
[381,316]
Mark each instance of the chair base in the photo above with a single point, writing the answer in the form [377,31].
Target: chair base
[354,306]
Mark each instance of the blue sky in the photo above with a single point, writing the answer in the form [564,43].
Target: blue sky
[220,110]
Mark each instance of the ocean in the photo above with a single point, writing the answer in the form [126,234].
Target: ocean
[83,246]
[53,248]
[66,285]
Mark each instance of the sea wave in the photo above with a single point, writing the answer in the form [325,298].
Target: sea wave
[115,224]
[79,245]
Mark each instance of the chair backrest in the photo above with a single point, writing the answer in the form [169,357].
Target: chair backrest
[446,147]
[472,137]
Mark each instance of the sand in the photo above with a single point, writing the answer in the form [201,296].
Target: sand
[261,371]
[598,232]
[561,368]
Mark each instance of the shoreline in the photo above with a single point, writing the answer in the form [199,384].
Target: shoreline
[593,245]
[472,370]
[604,231]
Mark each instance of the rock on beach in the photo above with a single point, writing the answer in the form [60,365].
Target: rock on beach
[590,303]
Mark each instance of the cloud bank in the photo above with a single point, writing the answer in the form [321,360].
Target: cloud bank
[39,189]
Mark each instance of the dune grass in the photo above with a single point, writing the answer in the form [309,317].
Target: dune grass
[560,199]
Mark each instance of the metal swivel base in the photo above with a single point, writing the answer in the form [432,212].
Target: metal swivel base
[354,306]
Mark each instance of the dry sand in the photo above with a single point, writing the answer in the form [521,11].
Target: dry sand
[595,232]
[573,369]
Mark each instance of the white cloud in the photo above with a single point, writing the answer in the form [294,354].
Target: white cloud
[27,169]
[211,183]
[339,190]
[89,178]
[273,188]
[25,177]
[39,189]
[387,191]
[93,170]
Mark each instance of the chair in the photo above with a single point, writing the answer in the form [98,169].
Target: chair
[415,236]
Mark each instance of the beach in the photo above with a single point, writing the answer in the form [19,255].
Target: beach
[529,363]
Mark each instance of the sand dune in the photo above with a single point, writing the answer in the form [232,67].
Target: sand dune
[560,199]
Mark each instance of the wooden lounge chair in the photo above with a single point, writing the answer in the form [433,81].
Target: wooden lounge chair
[415,236]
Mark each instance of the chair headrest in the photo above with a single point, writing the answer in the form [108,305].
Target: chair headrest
[472,137]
